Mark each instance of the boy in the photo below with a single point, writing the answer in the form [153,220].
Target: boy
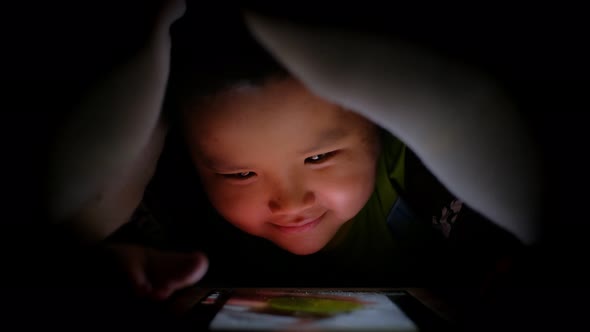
[281,163]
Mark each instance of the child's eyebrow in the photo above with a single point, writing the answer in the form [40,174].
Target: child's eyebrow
[220,165]
[325,138]
[222,168]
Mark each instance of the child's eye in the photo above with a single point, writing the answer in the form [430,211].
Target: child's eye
[239,176]
[318,158]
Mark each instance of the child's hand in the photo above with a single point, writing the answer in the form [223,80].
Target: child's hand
[157,274]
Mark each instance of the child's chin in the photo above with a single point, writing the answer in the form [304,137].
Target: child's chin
[302,250]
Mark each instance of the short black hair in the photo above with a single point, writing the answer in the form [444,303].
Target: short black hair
[212,51]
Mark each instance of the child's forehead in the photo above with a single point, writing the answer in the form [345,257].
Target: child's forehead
[284,100]
[281,115]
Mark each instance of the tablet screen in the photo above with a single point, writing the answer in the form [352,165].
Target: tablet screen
[305,310]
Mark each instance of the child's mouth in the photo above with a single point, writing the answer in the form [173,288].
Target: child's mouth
[301,226]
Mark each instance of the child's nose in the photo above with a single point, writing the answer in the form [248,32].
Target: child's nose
[292,199]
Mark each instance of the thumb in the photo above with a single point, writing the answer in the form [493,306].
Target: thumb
[174,271]
[191,268]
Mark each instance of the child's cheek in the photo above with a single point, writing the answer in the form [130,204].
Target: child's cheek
[346,194]
[242,208]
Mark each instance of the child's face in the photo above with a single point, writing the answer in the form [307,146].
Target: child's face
[283,164]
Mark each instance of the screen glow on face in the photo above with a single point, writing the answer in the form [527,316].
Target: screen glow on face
[283,164]
[290,310]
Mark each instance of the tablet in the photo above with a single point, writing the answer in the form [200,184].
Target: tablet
[289,309]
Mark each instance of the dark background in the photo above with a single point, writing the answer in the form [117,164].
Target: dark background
[52,51]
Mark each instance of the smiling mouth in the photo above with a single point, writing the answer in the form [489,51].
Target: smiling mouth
[300,227]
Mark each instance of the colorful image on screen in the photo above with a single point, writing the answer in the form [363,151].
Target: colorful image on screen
[289,310]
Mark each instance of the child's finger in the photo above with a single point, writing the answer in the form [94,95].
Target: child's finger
[132,260]
[174,271]
[192,269]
